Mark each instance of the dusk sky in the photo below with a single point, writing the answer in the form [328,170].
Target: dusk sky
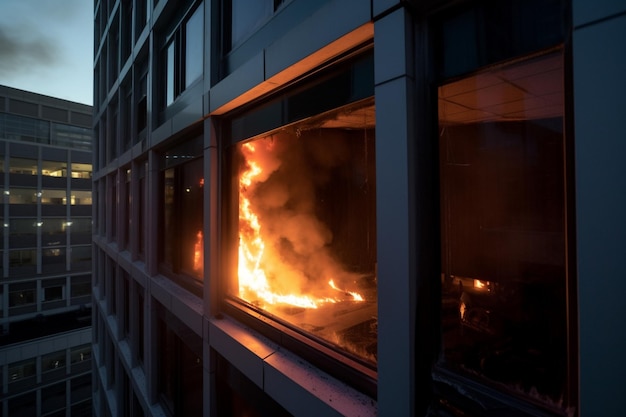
[46,46]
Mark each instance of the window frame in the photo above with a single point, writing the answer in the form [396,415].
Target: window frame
[237,127]
[475,394]
[174,55]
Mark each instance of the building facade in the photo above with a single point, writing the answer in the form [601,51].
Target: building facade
[358,207]
[45,299]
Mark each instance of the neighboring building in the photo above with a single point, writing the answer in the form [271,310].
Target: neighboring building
[45,255]
[355,207]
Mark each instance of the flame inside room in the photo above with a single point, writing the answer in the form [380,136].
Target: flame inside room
[306,227]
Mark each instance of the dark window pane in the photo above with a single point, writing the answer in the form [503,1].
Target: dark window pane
[248,16]
[194,37]
[503,227]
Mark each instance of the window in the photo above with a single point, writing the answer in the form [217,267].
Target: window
[80,355]
[80,257]
[22,369]
[80,389]
[183,53]
[54,169]
[23,405]
[53,231]
[22,196]
[81,198]
[24,128]
[23,166]
[53,365]
[80,170]
[26,257]
[302,212]
[53,398]
[503,230]
[80,230]
[21,226]
[80,289]
[139,213]
[183,187]
[179,358]
[56,197]
[508,317]
[53,259]
[141,100]
[246,17]
[71,136]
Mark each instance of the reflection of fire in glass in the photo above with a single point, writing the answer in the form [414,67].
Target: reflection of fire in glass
[307,241]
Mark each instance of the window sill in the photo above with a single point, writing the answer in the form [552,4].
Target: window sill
[295,384]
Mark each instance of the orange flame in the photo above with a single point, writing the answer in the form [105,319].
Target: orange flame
[198,253]
[254,284]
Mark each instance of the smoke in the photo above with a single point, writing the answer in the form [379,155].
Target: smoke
[286,197]
[28,33]
[20,52]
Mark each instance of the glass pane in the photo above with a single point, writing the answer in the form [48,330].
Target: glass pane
[58,197]
[71,136]
[23,166]
[194,36]
[248,16]
[22,227]
[22,196]
[81,170]
[170,86]
[81,197]
[80,354]
[54,169]
[307,227]
[503,227]
[51,361]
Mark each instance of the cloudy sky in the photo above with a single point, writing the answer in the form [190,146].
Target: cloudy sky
[46,46]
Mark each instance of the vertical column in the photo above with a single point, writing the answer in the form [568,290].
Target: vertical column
[599,65]
[395,211]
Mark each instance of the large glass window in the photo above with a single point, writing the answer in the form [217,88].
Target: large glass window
[81,198]
[246,17]
[71,136]
[183,55]
[14,127]
[22,195]
[23,166]
[503,229]
[183,189]
[54,168]
[56,197]
[179,374]
[80,170]
[303,213]
[22,257]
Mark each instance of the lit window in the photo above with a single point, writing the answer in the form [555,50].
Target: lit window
[81,170]
[54,169]
[81,197]
[56,197]
[503,227]
[303,214]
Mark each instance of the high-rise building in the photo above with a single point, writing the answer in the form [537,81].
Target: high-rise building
[45,255]
[355,207]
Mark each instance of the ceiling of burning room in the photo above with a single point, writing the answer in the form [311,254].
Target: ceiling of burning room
[530,90]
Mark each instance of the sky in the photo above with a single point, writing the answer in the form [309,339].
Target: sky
[46,46]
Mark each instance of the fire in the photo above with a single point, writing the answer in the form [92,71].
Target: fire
[254,262]
[198,253]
